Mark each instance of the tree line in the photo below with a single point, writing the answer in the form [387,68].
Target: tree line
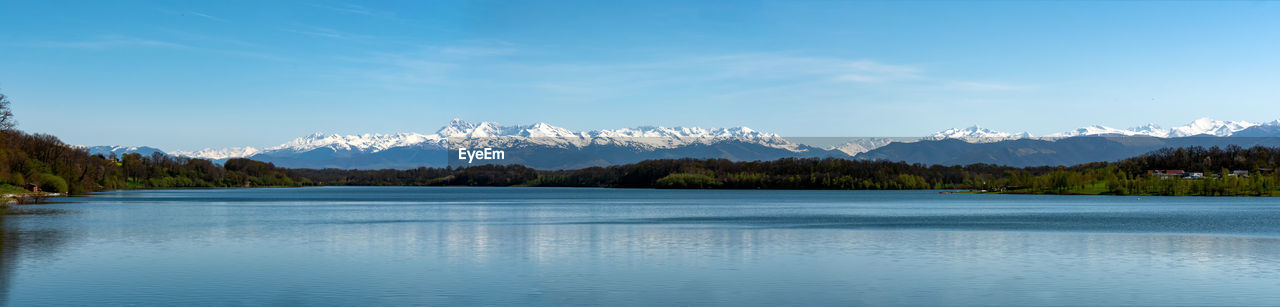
[787,173]
[1126,177]
[1227,171]
[44,161]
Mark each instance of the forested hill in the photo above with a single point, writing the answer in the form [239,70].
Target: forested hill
[45,161]
[787,173]
[54,166]
[1196,171]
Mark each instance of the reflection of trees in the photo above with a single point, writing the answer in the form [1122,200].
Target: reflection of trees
[14,242]
[8,258]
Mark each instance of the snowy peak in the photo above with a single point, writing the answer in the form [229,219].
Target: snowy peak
[494,134]
[462,129]
[1150,130]
[365,142]
[107,151]
[976,133]
[1097,130]
[861,145]
[316,140]
[681,133]
[462,133]
[487,129]
[1199,127]
[1208,126]
[544,130]
[459,128]
[456,128]
[219,154]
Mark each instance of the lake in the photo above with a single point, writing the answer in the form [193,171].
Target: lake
[574,246]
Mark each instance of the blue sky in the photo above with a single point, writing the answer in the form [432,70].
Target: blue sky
[183,75]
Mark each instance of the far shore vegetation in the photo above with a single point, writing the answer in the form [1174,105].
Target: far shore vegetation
[1192,171]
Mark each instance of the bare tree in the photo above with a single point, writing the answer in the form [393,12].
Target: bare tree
[6,115]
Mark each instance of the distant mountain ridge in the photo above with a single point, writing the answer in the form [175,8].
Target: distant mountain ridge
[1200,127]
[458,130]
[108,151]
[542,145]
[1045,152]
[539,145]
[976,133]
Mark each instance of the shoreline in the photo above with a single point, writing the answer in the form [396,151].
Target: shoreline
[28,198]
[939,191]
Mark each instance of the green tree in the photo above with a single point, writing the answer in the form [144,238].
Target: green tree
[687,181]
[52,183]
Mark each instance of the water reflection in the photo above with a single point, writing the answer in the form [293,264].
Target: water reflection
[8,258]
[548,243]
[1225,222]
[16,244]
[875,267]
[394,246]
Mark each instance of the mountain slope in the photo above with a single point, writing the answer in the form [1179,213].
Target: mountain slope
[107,151]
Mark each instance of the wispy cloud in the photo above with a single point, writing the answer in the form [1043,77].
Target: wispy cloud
[474,48]
[776,66]
[428,65]
[864,71]
[209,17]
[193,13]
[750,76]
[348,8]
[206,39]
[728,71]
[986,86]
[327,33]
[110,42]
[472,51]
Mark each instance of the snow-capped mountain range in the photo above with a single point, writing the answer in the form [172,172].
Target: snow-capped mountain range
[1200,127]
[550,146]
[976,133]
[860,145]
[460,133]
[119,150]
[220,154]
[538,145]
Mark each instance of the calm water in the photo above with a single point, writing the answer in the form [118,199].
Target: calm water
[534,246]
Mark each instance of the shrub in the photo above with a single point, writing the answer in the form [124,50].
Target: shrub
[687,181]
[52,183]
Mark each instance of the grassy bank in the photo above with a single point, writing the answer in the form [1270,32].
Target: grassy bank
[10,195]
